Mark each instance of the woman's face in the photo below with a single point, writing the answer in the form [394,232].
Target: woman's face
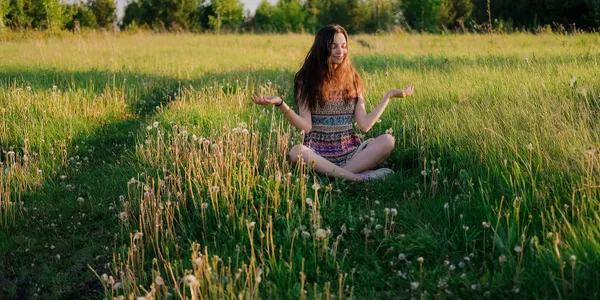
[339,49]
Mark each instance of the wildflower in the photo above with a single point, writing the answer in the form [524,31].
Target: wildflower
[123,216]
[190,280]
[148,127]
[452,267]
[572,82]
[366,232]
[138,236]
[446,206]
[461,265]
[466,258]
[465,227]
[414,285]
[518,249]
[377,202]
[251,224]
[420,259]
[117,285]
[549,235]
[305,234]
[389,131]
[57,256]
[244,131]
[401,256]
[485,224]
[104,277]
[204,205]
[386,210]
[258,276]
[502,259]
[394,211]
[62,177]
[80,200]
[309,202]
[530,147]
[378,227]
[442,284]
[573,258]
[316,186]
[155,124]
[159,281]
[320,234]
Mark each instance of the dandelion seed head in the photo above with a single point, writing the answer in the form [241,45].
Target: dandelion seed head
[159,280]
[502,259]
[190,280]
[251,224]
[320,234]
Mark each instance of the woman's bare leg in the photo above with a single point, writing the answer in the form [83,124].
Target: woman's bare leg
[321,165]
[374,154]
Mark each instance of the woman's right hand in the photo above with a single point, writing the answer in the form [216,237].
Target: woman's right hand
[266,100]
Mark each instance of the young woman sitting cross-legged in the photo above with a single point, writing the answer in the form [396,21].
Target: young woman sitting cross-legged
[329,94]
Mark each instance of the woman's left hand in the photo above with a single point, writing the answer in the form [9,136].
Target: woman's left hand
[401,93]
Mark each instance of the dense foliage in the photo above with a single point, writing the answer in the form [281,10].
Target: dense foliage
[307,15]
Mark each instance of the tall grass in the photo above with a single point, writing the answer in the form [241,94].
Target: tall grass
[495,194]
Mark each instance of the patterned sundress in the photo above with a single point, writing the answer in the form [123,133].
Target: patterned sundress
[332,135]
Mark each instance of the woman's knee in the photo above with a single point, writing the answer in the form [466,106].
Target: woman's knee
[296,151]
[388,142]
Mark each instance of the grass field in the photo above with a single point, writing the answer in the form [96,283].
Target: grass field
[136,165]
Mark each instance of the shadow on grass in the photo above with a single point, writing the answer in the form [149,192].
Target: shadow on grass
[48,252]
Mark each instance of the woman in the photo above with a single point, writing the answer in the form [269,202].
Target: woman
[328,93]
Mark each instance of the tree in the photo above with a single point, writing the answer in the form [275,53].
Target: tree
[45,14]
[422,14]
[263,17]
[227,15]
[17,17]
[105,12]
[78,15]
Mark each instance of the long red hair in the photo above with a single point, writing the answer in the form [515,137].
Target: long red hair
[318,77]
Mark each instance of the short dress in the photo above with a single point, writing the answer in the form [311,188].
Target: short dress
[332,135]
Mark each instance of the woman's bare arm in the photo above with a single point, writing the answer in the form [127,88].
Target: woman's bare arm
[366,121]
[303,121]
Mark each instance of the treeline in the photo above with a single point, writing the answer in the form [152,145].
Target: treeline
[306,15]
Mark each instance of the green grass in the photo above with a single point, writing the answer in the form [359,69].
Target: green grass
[104,137]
